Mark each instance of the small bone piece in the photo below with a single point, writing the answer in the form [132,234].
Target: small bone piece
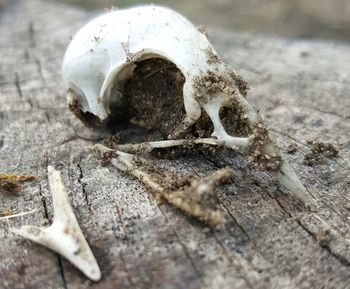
[64,236]
[193,195]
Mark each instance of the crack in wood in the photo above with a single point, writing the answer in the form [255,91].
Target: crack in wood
[83,186]
[236,222]
[18,86]
[31,34]
[230,259]
[184,248]
[120,218]
[337,256]
[40,71]
[128,276]
[61,267]
[43,201]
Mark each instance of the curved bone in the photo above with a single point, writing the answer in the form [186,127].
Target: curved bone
[64,236]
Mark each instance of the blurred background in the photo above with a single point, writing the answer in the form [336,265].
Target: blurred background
[306,19]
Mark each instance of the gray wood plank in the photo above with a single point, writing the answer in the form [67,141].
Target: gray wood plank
[269,241]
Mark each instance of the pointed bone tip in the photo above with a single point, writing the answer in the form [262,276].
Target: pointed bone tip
[288,178]
[32,233]
[50,170]
[95,274]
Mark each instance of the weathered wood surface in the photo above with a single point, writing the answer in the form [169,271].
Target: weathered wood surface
[301,88]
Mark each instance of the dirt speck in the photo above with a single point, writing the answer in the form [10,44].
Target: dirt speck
[10,184]
[242,85]
[327,149]
[323,236]
[318,153]
[212,56]
[6,212]
[291,148]
[203,30]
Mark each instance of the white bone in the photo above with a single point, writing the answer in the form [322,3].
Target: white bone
[102,55]
[18,215]
[64,236]
[239,144]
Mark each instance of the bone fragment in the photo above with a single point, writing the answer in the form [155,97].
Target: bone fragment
[64,236]
[285,174]
[193,195]
[18,215]
[149,146]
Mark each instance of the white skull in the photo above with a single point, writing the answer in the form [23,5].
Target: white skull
[102,57]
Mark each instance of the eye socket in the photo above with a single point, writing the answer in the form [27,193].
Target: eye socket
[234,122]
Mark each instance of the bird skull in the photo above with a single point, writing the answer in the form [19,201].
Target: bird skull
[106,54]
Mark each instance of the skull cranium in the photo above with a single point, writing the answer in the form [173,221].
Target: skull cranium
[105,55]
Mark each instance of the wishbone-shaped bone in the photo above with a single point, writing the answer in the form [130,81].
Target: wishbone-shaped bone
[64,236]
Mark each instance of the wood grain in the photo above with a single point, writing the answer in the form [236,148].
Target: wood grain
[269,241]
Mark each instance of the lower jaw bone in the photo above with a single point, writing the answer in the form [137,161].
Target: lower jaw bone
[266,156]
[193,195]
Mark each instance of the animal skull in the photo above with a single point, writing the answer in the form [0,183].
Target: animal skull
[103,56]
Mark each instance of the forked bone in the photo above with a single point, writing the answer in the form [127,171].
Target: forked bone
[64,236]
[194,195]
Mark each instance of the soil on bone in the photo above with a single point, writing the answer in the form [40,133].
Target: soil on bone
[154,108]
[154,98]
[87,118]
[212,56]
[242,85]
[233,117]
[235,121]
[258,156]
[194,195]
[190,149]
[208,85]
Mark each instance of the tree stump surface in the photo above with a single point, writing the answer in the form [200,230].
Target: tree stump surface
[269,241]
